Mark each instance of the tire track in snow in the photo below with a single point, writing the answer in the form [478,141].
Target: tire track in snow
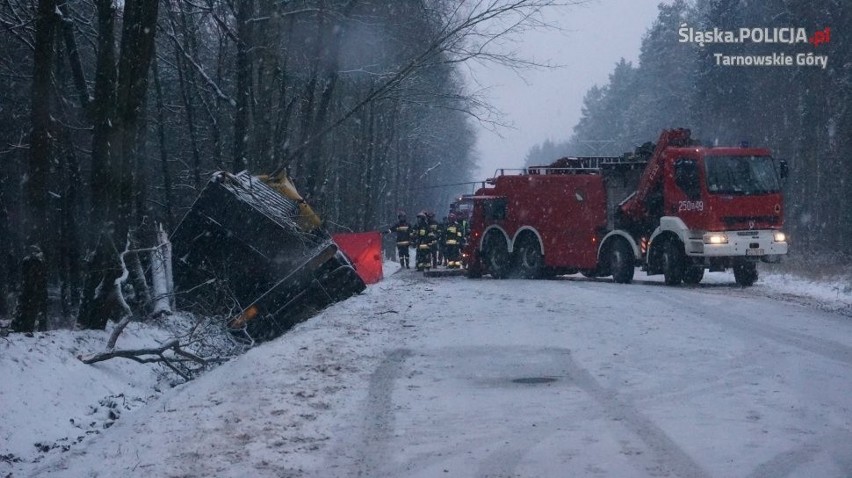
[786,463]
[732,320]
[379,414]
[669,457]
[789,462]
[663,458]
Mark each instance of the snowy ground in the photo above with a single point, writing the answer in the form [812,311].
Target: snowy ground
[456,377]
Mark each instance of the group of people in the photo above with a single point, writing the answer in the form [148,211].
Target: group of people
[435,243]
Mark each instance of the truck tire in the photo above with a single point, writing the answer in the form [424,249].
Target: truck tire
[673,264]
[530,262]
[621,262]
[496,256]
[693,275]
[472,273]
[473,269]
[745,274]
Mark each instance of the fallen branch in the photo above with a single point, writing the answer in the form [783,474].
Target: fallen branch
[132,354]
[150,355]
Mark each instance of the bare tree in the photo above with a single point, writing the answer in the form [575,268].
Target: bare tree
[32,307]
[120,138]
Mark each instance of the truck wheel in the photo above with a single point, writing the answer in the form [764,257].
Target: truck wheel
[497,257]
[473,269]
[548,273]
[693,275]
[621,262]
[745,274]
[673,266]
[529,259]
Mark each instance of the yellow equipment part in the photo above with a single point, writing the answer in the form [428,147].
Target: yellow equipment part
[243,318]
[308,219]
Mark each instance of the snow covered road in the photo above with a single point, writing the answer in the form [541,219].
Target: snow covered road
[589,378]
[425,377]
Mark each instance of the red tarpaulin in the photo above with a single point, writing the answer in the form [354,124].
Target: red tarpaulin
[365,250]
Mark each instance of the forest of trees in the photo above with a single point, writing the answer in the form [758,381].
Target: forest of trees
[113,115]
[803,113]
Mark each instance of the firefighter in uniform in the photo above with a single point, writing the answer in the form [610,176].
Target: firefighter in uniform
[434,233]
[403,238]
[464,227]
[453,241]
[423,241]
[442,241]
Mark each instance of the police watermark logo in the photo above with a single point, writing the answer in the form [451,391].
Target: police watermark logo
[762,36]
[774,59]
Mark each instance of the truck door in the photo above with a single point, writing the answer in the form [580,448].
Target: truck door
[683,192]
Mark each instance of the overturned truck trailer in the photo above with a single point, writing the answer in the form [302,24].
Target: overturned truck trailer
[243,250]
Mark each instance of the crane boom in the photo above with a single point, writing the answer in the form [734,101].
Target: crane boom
[636,206]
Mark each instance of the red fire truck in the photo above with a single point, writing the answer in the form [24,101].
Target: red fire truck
[675,208]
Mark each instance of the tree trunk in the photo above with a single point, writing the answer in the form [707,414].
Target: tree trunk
[161,280]
[286,103]
[103,111]
[123,134]
[32,304]
[266,44]
[164,157]
[184,80]
[6,255]
[244,74]
[136,276]
[137,51]
[98,305]
[315,160]
[69,250]
[32,312]
[74,57]
[101,267]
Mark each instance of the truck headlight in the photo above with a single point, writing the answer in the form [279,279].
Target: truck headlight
[715,238]
[779,236]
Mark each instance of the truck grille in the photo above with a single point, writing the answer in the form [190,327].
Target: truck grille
[732,221]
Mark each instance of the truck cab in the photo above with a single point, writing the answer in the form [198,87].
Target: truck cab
[714,208]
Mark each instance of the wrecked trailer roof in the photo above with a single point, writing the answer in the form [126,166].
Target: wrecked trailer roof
[240,252]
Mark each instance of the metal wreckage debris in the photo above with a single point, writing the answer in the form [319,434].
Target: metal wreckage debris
[251,250]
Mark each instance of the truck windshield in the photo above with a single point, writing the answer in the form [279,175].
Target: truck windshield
[741,175]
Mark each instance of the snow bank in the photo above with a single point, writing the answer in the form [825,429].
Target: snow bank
[52,401]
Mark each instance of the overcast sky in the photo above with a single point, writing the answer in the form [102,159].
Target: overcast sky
[545,104]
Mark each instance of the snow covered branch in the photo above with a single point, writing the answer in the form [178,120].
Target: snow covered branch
[151,355]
